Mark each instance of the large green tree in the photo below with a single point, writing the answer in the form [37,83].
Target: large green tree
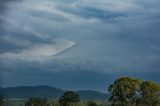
[128,91]
[123,91]
[69,98]
[150,93]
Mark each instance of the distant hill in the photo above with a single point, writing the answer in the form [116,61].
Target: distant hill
[89,94]
[24,92]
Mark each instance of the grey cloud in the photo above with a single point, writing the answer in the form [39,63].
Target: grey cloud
[70,80]
[92,12]
[125,30]
[121,38]
[48,16]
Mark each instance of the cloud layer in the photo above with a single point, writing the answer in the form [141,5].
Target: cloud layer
[40,51]
[106,37]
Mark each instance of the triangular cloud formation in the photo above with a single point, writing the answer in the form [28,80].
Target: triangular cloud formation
[40,51]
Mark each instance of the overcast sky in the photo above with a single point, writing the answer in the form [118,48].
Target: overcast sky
[78,44]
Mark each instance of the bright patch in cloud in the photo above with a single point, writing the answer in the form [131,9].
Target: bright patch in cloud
[40,51]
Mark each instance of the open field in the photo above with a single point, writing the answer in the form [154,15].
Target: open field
[15,103]
[53,103]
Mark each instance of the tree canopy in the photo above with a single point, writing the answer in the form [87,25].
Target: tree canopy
[126,91]
[69,98]
[91,103]
[150,92]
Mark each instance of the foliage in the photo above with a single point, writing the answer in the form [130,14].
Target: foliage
[55,103]
[127,91]
[69,98]
[91,103]
[1,100]
[150,92]
[37,102]
[124,91]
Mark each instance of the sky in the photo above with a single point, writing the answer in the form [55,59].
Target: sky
[78,44]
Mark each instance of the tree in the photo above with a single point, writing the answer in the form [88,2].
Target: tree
[36,102]
[133,92]
[150,92]
[1,100]
[69,98]
[91,103]
[123,91]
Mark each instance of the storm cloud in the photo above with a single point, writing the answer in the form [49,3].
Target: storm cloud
[78,37]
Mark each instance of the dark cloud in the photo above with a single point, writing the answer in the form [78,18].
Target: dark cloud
[71,80]
[4,7]
[113,38]
[93,12]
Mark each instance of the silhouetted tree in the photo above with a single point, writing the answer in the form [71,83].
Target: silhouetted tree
[91,103]
[69,98]
[1,100]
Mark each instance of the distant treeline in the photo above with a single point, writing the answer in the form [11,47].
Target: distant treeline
[125,91]
[24,92]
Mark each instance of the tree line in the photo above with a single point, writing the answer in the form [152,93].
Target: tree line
[125,91]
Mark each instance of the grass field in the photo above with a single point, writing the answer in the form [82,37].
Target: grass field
[53,103]
[15,103]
